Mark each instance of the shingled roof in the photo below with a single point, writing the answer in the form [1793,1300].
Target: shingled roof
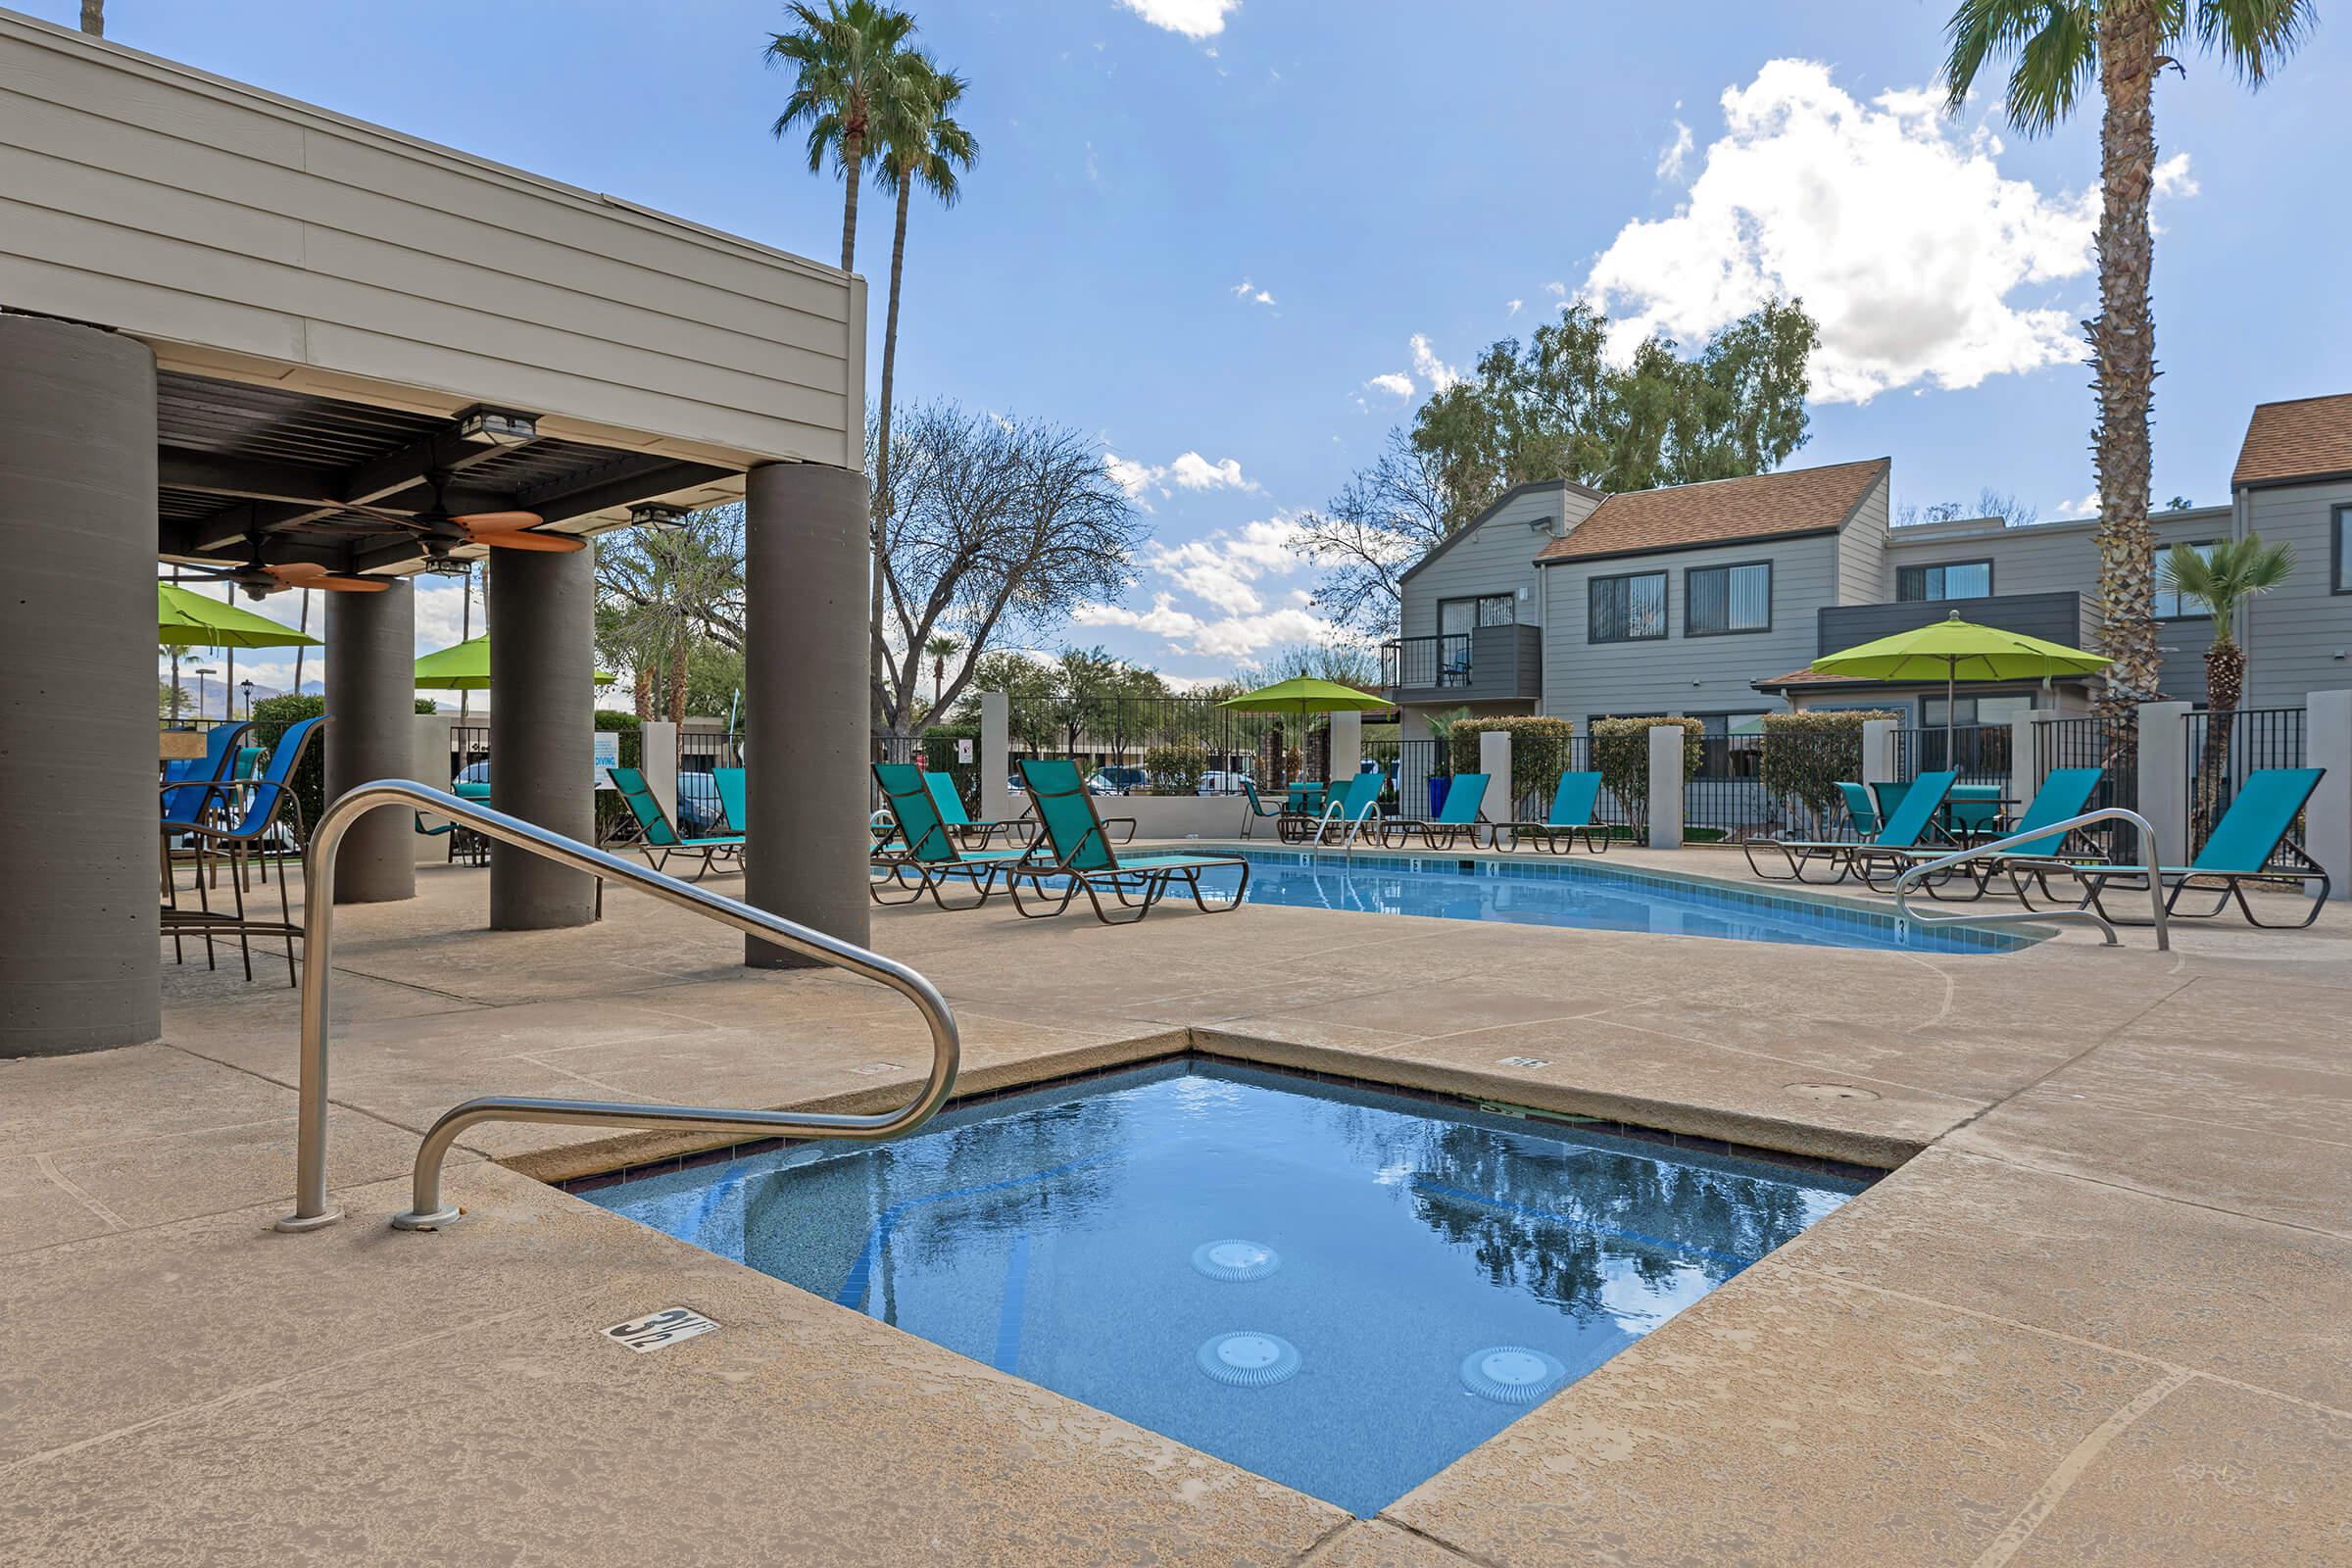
[2307,439]
[1683,516]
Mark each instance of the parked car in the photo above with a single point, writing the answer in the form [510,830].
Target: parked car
[1216,782]
[1110,780]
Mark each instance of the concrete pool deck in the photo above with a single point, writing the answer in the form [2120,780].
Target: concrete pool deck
[2102,1312]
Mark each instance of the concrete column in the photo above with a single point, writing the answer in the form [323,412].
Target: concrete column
[1666,786]
[996,757]
[1347,745]
[542,731]
[78,729]
[1877,751]
[429,747]
[805,700]
[2025,770]
[371,734]
[658,761]
[1494,760]
[2164,777]
[2328,820]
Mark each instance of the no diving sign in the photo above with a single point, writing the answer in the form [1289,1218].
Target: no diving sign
[665,1327]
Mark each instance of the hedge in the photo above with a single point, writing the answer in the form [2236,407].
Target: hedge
[1540,750]
[1621,753]
[1807,755]
[1175,769]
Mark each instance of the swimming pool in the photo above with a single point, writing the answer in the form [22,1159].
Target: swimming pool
[1339,1289]
[1586,895]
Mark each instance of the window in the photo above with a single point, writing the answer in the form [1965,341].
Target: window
[1457,616]
[1719,600]
[1627,609]
[2342,531]
[2172,606]
[1966,710]
[1949,579]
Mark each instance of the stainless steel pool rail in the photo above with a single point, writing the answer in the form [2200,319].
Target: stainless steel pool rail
[427,1210]
[2081,912]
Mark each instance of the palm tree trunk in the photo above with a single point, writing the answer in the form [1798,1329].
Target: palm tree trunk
[853,160]
[881,502]
[2123,345]
[93,18]
[2225,689]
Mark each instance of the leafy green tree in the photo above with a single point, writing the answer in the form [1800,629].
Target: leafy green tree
[2054,49]
[2222,577]
[657,593]
[1557,407]
[843,59]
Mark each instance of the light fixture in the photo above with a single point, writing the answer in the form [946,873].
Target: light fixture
[497,428]
[658,515]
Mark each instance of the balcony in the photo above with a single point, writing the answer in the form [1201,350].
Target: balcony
[1492,664]
[2066,617]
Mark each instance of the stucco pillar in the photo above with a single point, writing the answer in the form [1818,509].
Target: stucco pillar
[2025,770]
[1666,786]
[2328,820]
[996,757]
[371,734]
[1494,760]
[1877,751]
[78,752]
[2164,777]
[431,742]
[1347,745]
[658,761]
[543,731]
[805,739]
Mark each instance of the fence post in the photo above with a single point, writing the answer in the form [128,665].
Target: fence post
[658,761]
[2025,771]
[1347,745]
[1877,751]
[428,763]
[2164,777]
[1666,786]
[1494,760]
[2328,822]
[996,757]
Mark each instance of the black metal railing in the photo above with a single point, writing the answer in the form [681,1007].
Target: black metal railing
[1979,753]
[1574,755]
[1425,661]
[1727,794]
[2227,747]
[706,751]
[1170,744]
[2093,740]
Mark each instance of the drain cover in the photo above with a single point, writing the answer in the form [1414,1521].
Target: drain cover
[1236,1259]
[1250,1359]
[1512,1374]
[1521,1062]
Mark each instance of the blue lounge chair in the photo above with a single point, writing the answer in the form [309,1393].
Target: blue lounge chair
[240,820]
[733,806]
[1259,810]
[2243,847]
[1076,850]
[1573,804]
[927,854]
[1463,813]
[657,839]
[223,751]
[2064,793]
[1901,828]
[958,821]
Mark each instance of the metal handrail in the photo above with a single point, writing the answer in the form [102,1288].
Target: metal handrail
[428,1212]
[2081,911]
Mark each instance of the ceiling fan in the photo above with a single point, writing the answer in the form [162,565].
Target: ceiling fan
[499,530]
[258,579]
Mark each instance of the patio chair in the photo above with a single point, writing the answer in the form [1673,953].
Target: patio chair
[1573,804]
[927,848]
[1464,812]
[733,805]
[657,839]
[1354,809]
[1027,821]
[2064,793]
[2243,848]
[1075,849]
[1899,829]
[236,819]
[1289,826]
[958,821]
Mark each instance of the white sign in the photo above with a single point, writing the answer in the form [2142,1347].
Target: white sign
[964,750]
[607,755]
[665,1327]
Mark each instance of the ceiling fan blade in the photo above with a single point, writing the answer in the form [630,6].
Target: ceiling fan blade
[553,544]
[309,575]
[482,522]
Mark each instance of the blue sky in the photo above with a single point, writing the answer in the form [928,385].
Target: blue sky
[1388,179]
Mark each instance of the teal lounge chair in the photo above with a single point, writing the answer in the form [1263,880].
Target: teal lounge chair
[968,833]
[2064,793]
[1901,829]
[926,855]
[657,839]
[1573,804]
[733,805]
[1462,813]
[1354,810]
[1076,850]
[2243,847]
[1259,810]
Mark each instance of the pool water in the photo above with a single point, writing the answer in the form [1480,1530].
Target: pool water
[1339,1289]
[1588,895]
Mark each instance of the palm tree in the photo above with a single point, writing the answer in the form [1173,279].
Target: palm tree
[93,18]
[941,648]
[2222,577]
[2055,48]
[843,60]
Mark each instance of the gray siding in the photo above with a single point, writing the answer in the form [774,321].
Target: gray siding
[1863,575]
[1497,557]
[2298,639]
[1683,674]
[2057,617]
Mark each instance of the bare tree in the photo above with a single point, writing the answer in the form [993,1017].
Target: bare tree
[1390,516]
[1990,504]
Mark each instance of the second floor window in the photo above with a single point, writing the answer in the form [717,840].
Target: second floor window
[1627,609]
[1949,579]
[2172,606]
[2341,580]
[1458,618]
[1717,600]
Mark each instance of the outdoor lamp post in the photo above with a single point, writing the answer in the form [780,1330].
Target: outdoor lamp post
[200,675]
[246,686]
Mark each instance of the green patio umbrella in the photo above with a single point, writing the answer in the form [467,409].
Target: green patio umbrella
[185,618]
[1303,695]
[1958,650]
[466,668]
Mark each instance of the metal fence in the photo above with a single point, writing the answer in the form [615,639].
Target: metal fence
[2225,748]
[1631,817]
[1727,794]
[1180,745]
[706,751]
[1979,753]
[2100,743]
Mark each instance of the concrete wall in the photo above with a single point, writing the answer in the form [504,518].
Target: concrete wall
[1175,816]
[240,232]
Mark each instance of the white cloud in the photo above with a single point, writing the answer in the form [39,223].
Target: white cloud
[1395,382]
[1234,578]
[1674,153]
[1558,291]
[1511,306]
[1223,568]
[1250,292]
[1193,19]
[2172,178]
[1161,618]
[1896,228]
[2087,507]
[1131,476]
[1189,471]
[1435,371]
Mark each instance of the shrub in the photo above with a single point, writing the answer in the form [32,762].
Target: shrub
[1806,755]
[1621,754]
[1540,749]
[1175,769]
